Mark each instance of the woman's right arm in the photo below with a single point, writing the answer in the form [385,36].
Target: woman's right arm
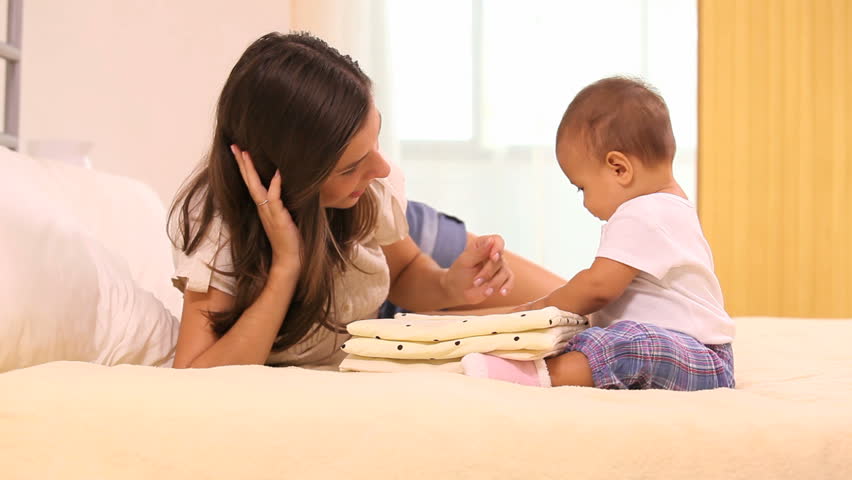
[250,340]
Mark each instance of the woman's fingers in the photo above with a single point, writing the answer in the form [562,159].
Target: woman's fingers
[482,249]
[498,283]
[256,187]
[275,206]
[494,278]
[238,157]
[250,177]
[486,273]
[502,282]
[275,187]
[497,248]
[280,229]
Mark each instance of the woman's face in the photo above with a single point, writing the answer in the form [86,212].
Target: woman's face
[360,164]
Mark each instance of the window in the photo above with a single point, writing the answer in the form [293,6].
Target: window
[479,87]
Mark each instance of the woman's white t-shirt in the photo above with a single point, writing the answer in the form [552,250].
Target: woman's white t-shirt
[358,292]
[676,288]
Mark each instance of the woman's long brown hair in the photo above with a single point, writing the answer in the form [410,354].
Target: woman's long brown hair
[293,103]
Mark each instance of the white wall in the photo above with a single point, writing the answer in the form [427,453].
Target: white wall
[138,78]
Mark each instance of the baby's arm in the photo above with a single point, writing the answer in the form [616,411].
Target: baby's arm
[590,290]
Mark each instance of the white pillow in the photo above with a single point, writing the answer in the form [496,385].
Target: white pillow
[63,294]
[124,215]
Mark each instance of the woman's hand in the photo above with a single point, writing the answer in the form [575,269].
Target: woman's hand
[277,222]
[479,272]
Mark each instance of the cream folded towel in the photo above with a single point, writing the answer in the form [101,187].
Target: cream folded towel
[355,363]
[412,341]
[436,328]
[527,345]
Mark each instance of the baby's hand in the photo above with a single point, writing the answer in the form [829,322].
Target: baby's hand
[534,305]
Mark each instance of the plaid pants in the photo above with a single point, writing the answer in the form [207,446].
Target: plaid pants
[631,355]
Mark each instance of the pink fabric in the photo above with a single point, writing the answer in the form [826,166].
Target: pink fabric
[523,372]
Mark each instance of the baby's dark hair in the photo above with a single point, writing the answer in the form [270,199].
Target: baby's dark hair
[621,114]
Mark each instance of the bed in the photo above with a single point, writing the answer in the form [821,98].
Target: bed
[788,418]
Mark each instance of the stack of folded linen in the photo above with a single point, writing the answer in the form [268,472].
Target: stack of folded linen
[411,342]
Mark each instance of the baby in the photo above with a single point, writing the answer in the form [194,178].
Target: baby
[658,318]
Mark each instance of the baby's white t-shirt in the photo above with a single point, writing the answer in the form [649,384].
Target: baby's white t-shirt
[676,288]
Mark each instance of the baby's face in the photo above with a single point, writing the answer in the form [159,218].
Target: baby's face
[601,193]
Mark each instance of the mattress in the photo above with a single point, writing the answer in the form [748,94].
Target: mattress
[789,417]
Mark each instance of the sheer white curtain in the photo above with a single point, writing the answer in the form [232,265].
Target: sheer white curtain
[358,28]
[472,92]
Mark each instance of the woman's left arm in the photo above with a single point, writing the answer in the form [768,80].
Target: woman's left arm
[417,283]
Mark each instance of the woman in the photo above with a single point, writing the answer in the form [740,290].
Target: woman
[294,226]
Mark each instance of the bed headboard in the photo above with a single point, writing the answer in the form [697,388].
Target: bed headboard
[11,52]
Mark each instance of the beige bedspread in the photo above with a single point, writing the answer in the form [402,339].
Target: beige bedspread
[790,417]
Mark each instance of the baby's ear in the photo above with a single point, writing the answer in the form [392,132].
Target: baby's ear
[620,165]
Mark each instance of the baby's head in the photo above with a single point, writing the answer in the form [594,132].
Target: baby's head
[615,143]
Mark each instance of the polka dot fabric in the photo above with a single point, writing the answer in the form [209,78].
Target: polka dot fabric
[438,328]
[519,336]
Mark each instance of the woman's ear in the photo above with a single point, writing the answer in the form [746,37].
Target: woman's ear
[621,166]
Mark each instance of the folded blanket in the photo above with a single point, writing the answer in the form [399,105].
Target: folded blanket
[527,345]
[437,328]
[414,340]
[355,363]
